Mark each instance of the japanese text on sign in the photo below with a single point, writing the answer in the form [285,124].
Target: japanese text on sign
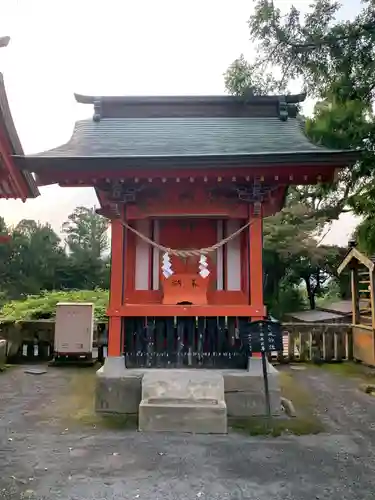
[265,336]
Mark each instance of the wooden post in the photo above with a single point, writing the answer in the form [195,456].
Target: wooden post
[372,301]
[355,295]
[256,265]
[115,295]
[372,297]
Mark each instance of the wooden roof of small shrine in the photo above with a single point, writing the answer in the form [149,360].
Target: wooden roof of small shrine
[181,130]
[356,257]
[14,182]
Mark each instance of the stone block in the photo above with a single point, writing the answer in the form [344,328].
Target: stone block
[189,384]
[118,390]
[183,401]
[196,417]
[244,391]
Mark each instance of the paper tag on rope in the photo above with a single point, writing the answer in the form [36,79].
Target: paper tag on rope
[203,267]
[167,266]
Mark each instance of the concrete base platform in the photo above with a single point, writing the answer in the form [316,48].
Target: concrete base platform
[183,401]
[244,390]
[119,390]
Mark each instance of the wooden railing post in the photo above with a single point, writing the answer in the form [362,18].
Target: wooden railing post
[349,344]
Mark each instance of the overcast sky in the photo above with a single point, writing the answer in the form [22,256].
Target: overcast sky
[116,47]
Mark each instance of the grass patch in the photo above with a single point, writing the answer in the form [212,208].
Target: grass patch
[276,426]
[306,422]
[350,369]
[75,406]
[6,367]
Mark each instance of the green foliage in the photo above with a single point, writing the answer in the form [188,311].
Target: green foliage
[87,239]
[365,235]
[35,264]
[43,306]
[293,254]
[314,48]
[335,61]
[86,232]
[36,259]
[331,292]
[289,299]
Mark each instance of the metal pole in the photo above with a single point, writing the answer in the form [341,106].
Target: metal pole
[266,388]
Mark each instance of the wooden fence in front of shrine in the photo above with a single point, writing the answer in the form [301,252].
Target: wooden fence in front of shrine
[318,342]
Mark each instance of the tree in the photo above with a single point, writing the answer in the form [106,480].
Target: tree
[35,259]
[293,254]
[86,231]
[32,260]
[336,63]
[315,49]
[87,240]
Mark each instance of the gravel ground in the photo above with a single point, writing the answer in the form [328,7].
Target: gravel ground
[41,459]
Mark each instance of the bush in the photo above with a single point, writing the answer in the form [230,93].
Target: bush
[290,299]
[43,306]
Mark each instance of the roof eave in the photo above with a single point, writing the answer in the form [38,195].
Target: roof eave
[355,254]
[11,132]
[337,159]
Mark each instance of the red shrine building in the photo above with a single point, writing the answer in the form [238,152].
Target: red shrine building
[186,182]
[14,181]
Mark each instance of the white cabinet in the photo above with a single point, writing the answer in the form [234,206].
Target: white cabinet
[74,328]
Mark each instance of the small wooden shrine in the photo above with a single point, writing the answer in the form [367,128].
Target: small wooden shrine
[362,272]
[186,182]
[14,182]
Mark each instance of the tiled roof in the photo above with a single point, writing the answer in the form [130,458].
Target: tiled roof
[184,136]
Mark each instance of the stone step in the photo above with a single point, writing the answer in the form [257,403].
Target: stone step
[183,401]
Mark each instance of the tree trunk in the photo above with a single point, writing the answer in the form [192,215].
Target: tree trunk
[310,293]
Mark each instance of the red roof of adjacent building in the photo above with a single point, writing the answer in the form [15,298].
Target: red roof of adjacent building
[14,182]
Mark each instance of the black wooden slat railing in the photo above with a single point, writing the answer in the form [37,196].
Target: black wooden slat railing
[183,342]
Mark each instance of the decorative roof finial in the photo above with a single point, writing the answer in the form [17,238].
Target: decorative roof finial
[352,243]
[4,40]
[97,110]
[283,109]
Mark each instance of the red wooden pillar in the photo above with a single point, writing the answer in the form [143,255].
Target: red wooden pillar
[115,294]
[256,265]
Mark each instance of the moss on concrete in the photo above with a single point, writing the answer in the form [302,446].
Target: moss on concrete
[305,422]
[74,407]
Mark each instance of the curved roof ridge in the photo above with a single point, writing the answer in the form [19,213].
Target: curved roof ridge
[189,99]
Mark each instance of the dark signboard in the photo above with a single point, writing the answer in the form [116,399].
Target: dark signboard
[262,336]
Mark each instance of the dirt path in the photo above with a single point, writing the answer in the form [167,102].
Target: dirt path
[43,458]
[340,405]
